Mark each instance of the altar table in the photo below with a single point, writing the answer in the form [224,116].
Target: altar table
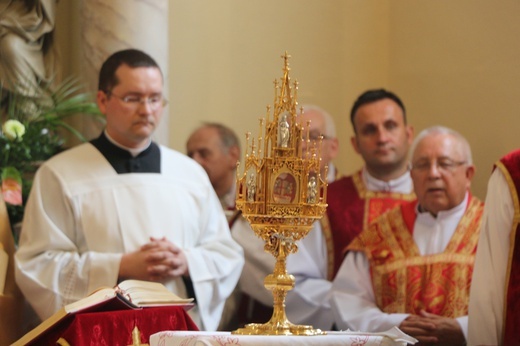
[114,328]
[393,337]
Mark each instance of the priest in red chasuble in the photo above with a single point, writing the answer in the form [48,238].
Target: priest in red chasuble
[494,308]
[382,138]
[412,267]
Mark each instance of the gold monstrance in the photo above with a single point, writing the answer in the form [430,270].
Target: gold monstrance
[281,193]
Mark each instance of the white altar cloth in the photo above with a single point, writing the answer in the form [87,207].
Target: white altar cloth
[393,337]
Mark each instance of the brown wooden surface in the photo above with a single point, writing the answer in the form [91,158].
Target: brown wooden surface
[11,302]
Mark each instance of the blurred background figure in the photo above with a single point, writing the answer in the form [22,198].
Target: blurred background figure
[217,149]
[320,124]
[309,265]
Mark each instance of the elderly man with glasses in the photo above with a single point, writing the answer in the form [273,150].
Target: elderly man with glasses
[123,207]
[412,267]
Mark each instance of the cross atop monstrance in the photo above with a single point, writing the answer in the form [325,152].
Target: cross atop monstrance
[281,193]
[286,58]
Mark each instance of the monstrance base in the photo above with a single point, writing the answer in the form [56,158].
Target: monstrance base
[277,328]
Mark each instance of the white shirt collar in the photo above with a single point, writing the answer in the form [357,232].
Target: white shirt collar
[445,214]
[403,184]
[331,173]
[432,234]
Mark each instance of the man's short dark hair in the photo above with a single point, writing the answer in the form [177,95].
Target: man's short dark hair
[373,96]
[130,57]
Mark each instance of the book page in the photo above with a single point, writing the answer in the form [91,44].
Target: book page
[97,297]
[4,261]
[147,293]
[95,300]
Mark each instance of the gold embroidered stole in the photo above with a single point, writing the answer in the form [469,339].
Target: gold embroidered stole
[351,208]
[406,282]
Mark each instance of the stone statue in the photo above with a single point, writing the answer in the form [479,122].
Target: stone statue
[251,188]
[311,190]
[27,57]
[284,134]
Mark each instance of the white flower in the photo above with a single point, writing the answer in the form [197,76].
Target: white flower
[13,129]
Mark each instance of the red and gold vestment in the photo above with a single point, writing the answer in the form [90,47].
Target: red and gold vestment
[404,281]
[351,208]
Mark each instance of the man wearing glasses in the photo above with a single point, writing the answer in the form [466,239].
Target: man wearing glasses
[123,207]
[309,264]
[321,127]
[412,266]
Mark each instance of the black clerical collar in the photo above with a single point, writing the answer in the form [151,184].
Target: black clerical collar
[148,161]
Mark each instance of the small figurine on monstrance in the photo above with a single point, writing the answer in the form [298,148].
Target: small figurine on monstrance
[281,192]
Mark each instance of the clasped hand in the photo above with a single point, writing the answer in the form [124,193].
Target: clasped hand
[157,260]
[431,329]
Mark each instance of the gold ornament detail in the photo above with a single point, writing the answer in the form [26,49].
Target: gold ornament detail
[281,193]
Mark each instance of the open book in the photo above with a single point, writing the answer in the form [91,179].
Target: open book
[128,294]
[134,293]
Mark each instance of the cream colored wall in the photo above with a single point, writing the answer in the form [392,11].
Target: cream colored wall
[457,63]
[225,56]
[454,63]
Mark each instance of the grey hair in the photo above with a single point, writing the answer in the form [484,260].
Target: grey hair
[442,130]
[330,127]
[227,136]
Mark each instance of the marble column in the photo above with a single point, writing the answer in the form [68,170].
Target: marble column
[111,25]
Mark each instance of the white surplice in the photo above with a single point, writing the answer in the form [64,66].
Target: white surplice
[486,300]
[82,217]
[309,301]
[258,263]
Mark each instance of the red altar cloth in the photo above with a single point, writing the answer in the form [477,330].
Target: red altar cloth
[115,328]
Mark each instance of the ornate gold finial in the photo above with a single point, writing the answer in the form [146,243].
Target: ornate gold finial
[286,58]
[281,193]
[62,342]
[136,338]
